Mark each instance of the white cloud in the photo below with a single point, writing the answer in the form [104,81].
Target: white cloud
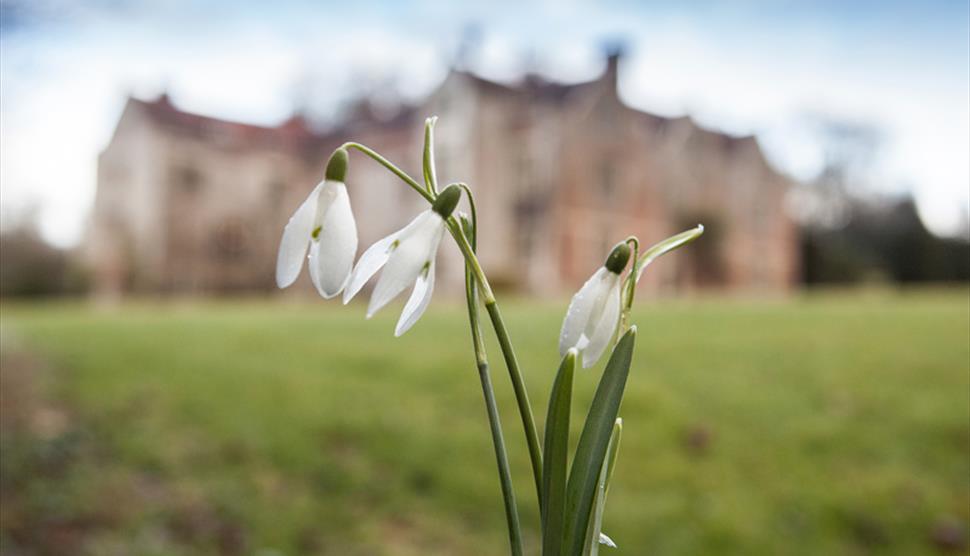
[922,106]
[63,87]
[56,119]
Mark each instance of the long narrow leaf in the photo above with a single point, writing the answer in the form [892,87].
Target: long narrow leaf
[666,246]
[593,444]
[594,536]
[555,450]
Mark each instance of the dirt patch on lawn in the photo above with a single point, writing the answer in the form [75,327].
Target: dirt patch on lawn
[62,491]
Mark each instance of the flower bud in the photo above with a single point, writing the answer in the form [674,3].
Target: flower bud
[447,201]
[337,167]
[618,258]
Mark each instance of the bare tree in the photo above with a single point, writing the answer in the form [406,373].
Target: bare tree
[850,149]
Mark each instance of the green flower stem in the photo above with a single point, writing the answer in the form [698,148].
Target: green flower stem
[390,166]
[472,260]
[474,210]
[494,423]
[521,396]
[428,167]
[630,286]
[651,254]
[505,477]
[511,362]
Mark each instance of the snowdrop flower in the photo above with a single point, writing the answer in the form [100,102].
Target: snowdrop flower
[325,223]
[409,256]
[594,311]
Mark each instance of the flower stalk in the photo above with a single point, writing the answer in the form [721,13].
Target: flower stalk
[494,423]
[491,306]
[428,195]
[596,322]
[630,285]
[508,353]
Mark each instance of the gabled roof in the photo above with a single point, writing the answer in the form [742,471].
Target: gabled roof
[531,85]
[536,87]
[292,132]
[295,133]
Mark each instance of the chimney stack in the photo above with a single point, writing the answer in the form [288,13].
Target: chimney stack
[614,52]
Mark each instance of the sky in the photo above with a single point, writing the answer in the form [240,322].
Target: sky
[772,68]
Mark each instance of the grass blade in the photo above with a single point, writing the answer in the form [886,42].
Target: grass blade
[593,538]
[593,444]
[556,451]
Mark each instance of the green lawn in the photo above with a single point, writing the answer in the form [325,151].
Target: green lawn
[828,424]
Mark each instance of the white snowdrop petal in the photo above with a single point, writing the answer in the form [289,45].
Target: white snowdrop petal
[423,224]
[374,258]
[369,263]
[313,263]
[402,268]
[407,260]
[579,312]
[418,302]
[599,305]
[607,541]
[604,325]
[337,241]
[296,237]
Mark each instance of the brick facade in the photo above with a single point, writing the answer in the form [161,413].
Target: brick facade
[191,204]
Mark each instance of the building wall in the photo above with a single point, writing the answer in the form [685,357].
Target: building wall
[560,175]
[190,214]
[224,210]
[125,223]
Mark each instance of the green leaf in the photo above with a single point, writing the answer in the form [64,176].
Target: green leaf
[592,546]
[555,450]
[594,442]
[666,246]
[430,179]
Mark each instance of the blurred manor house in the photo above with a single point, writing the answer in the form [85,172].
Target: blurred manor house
[192,204]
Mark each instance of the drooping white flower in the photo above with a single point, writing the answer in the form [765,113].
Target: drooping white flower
[325,223]
[594,311]
[407,256]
